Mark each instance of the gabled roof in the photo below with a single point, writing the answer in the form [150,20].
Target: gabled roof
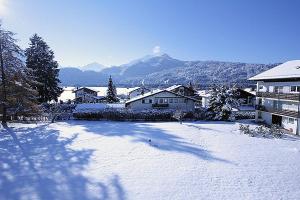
[84,88]
[177,86]
[148,94]
[136,88]
[290,69]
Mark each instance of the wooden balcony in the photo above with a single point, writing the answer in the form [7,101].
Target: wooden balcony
[289,113]
[288,96]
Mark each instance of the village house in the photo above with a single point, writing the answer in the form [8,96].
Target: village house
[86,95]
[245,97]
[182,90]
[161,99]
[278,96]
[137,91]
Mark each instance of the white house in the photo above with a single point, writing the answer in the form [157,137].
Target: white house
[137,91]
[86,95]
[182,90]
[161,99]
[278,96]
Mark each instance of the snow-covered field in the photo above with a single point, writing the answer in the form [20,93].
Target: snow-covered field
[128,160]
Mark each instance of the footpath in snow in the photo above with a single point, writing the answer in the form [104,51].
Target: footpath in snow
[127,160]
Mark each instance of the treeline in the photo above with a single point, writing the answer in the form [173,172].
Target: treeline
[28,78]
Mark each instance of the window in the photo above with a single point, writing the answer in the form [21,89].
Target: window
[150,100]
[291,121]
[278,89]
[170,100]
[161,100]
[259,101]
[165,100]
[143,100]
[295,88]
[175,100]
[259,115]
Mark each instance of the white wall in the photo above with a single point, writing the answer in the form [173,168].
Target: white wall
[288,125]
[269,86]
[185,106]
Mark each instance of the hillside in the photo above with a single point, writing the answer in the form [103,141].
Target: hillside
[165,70]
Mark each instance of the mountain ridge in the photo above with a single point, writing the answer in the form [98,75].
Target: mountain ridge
[162,69]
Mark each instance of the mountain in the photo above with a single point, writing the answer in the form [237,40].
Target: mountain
[92,67]
[75,77]
[162,69]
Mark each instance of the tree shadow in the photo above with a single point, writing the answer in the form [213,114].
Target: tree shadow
[145,133]
[35,163]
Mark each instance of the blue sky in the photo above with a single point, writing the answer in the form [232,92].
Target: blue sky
[114,32]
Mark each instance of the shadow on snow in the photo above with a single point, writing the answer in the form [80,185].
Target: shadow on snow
[36,164]
[144,132]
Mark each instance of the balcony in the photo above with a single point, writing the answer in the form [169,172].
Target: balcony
[160,105]
[289,113]
[287,96]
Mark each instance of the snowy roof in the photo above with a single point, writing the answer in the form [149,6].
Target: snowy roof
[175,87]
[101,91]
[203,93]
[85,88]
[290,69]
[153,93]
[136,88]
[133,89]
[145,95]
[250,90]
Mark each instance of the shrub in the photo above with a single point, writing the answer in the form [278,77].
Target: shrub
[124,115]
[244,115]
[276,131]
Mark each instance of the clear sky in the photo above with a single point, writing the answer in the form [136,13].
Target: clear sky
[114,32]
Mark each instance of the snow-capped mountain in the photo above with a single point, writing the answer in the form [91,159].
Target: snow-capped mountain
[162,69]
[93,67]
[144,66]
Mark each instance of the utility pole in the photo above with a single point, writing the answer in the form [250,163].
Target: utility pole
[298,114]
[3,80]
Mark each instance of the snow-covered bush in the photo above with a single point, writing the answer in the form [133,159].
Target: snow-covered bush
[244,115]
[274,131]
[245,129]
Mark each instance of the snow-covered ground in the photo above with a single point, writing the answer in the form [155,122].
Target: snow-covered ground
[128,160]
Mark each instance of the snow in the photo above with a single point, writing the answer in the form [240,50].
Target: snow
[116,160]
[89,107]
[153,92]
[290,69]
[101,91]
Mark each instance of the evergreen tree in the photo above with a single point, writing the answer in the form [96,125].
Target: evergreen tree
[221,102]
[16,96]
[40,59]
[111,95]
[191,86]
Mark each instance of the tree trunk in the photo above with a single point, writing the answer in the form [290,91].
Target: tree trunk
[4,100]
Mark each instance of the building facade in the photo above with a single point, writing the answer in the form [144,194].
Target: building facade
[161,99]
[278,96]
[86,95]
